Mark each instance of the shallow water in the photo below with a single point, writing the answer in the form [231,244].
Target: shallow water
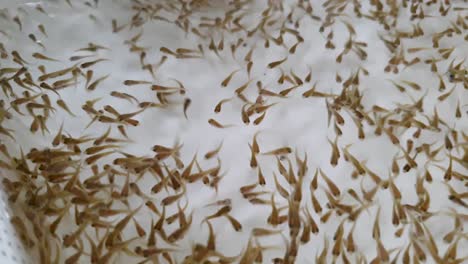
[298,122]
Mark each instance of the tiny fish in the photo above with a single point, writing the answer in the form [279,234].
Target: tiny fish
[279,151]
[42,30]
[94,84]
[215,123]
[91,63]
[226,81]
[274,64]
[42,57]
[187,103]
[218,106]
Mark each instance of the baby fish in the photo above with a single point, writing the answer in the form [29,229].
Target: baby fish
[125,96]
[135,82]
[56,73]
[331,185]
[18,21]
[94,158]
[335,152]
[42,29]
[42,57]
[167,51]
[212,153]
[216,124]
[376,226]
[115,27]
[75,58]
[274,64]
[234,222]
[187,103]
[221,212]
[226,81]
[94,85]
[58,138]
[91,63]
[442,97]
[258,232]
[218,106]
[279,151]
[259,119]
[171,199]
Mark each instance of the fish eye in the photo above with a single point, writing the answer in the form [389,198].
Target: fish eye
[451,77]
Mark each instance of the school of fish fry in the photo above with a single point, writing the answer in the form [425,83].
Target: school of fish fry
[236,131]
